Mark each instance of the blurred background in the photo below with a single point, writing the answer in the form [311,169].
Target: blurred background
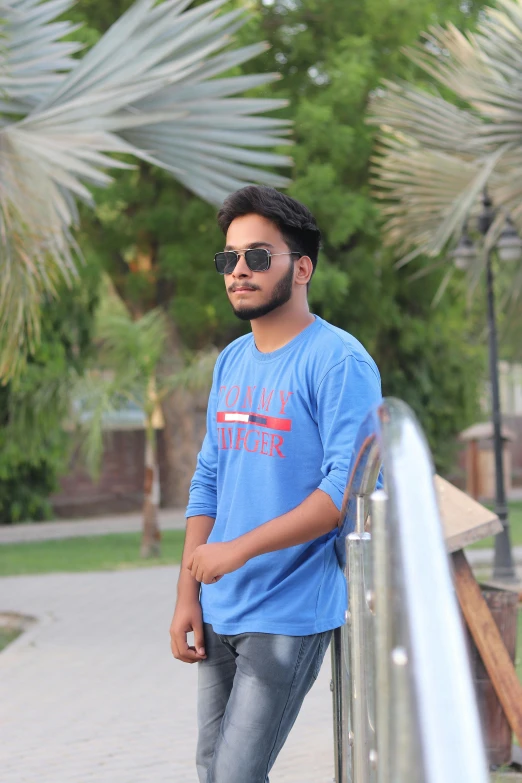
[154,239]
[396,123]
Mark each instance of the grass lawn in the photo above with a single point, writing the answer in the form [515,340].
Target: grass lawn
[515,527]
[8,635]
[95,553]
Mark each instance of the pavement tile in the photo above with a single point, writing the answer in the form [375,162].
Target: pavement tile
[91,693]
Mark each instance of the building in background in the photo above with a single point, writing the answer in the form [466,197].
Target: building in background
[476,467]
[120,485]
[511,406]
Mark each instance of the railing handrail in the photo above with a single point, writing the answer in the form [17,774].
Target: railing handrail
[429,632]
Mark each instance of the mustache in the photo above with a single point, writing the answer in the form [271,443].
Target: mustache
[233,288]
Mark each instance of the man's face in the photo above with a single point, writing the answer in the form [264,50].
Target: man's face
[254,294]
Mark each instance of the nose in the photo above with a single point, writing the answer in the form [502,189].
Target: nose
[241,269]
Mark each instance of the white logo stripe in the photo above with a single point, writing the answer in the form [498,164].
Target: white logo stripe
[236,417]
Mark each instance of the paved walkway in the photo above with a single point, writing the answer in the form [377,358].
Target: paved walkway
[169,519]
[91,692]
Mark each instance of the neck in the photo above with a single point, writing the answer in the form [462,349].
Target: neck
[277,328]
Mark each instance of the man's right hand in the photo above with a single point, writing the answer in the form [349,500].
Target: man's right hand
[187,617]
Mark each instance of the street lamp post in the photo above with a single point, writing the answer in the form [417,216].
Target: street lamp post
[509,248]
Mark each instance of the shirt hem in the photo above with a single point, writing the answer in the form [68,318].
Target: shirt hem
[286,629]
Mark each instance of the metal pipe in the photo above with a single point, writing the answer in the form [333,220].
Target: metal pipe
[406,763]
[337,694]
[435,733]
[359,707]
[503,567]
[446,714]
[381,581]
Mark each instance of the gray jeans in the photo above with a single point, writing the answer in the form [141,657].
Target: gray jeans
[250,690]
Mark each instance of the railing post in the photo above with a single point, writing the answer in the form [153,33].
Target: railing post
[381,581]
[361,657]
[413,715]
[340,707]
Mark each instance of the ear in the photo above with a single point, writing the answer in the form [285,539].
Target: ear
[303,270]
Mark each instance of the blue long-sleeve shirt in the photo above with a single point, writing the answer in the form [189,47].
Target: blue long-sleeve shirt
[279,426]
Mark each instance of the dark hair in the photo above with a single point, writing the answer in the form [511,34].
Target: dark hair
[295,221]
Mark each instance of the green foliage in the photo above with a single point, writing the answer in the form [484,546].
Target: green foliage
[123,370]
[7,635]
[112,552]
[127,367]
[34,448]
[146,89]
[332,57]
[157,241]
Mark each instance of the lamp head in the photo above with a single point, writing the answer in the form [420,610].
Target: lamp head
[509,244]
[465,253]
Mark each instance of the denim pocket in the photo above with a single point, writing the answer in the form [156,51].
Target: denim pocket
[323,642]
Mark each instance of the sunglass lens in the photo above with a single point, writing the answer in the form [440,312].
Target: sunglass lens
[257,259]
[225,262]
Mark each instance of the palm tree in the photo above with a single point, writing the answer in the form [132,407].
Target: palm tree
[126,368]
[435,155]
[148,89]
[435,159]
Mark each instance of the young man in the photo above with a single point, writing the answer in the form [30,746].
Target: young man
[260,584]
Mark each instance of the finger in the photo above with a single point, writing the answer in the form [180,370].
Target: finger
[183,652]
[199,639]
[190,562]
[191,656]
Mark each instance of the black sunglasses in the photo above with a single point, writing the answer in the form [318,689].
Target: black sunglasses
[257,259]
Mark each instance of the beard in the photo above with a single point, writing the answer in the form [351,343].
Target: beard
[280,295]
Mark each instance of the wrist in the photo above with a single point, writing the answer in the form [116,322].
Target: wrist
[243,547]
[188,587]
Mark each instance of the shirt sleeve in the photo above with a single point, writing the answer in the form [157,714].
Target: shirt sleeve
[203,487]
[345,396]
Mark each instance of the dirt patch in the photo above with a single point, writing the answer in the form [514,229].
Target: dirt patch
[12,625]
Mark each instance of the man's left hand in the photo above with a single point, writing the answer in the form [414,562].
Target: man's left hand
[209,562]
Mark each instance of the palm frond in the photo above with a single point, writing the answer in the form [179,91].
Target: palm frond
[195,376]
[484,70]
[434,158]
[427,194]
[131,348]
[152,88]
[426,117]
[94,395]
[33,59]
[126,369]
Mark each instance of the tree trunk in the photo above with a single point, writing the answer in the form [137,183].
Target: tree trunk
[181,446]
[182,439]
[150,541]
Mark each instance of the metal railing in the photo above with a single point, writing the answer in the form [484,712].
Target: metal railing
[404,705]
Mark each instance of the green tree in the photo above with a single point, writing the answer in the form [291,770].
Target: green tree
[157,240]
[34,448]
[124,369]
[333,57]
[442,142]
[153,81]
[146,89]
